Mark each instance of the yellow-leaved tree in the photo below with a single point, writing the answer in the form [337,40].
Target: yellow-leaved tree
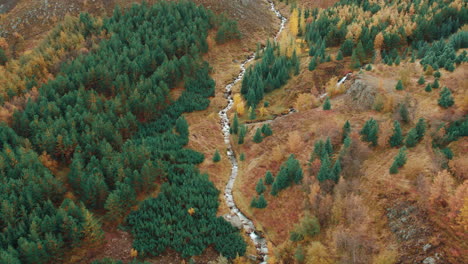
[294,23]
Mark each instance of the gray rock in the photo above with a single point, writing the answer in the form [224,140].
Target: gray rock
[427,247]
[361,95]
[429,260]
[234,220]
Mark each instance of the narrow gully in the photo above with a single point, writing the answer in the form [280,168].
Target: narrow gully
[249,227]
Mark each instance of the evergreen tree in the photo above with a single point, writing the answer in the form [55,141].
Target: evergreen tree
[420,129]
[254,202]
[370,131]
[274,189]
[374,134]
[252,113]
[339,56]
[369,67]
[312,64]
[328,147]
[355,62]
[260,188]
[242,157]
[345,131]
[428,88]
[261,202]
[258,136]
[324,172]
[421,80]
[436,84]
[266,130]
[336,170]
[295,62]
[347,47]
[399,85]
[399,161]
[235,125]
[437,74]
[269,178]
[242,132]
[404,114]
[396,139]
[327,104]
[3,57]
[216,156]
[446,98]
[412,138]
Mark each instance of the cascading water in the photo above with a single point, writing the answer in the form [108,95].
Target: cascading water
[258,240]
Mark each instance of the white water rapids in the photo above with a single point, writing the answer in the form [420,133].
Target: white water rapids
[249,227]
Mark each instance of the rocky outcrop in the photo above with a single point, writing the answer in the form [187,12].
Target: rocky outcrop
[361,95]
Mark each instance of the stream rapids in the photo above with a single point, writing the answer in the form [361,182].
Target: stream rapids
[257,238]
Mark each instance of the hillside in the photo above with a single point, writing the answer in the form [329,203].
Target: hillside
[244,131]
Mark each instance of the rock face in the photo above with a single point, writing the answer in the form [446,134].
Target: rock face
[361,94]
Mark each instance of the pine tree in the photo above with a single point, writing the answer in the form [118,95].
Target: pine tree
[328,147]
[260,188]
[312,64]
[428,88]
[254,202]
[269,178]
[355,62]
[446,98]
[216,156]
[252,113]
[339,56]
[404,114]
[396,139]
[242,132]
[327,104]
[261,202]
[336,170]
[421,80]
[420,129]
[242,157]
[346,130]
[437,74]
[266,130]
[399,86]
[274,188]
[374,134]
[369,67]
[399,161]
[436,84]
[412,138]
[324,172]
[258,136]
[235,125]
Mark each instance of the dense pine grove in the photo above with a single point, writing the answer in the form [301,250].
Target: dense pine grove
[272,72]
[109,116]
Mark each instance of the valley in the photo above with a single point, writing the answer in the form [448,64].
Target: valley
[251,131]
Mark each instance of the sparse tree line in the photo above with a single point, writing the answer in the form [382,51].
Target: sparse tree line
[108,115]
